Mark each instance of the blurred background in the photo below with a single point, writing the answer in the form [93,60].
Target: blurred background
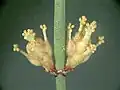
[101,72]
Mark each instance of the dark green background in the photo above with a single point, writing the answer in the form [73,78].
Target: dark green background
[101,72]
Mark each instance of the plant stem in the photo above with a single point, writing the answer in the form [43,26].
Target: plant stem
[59,41]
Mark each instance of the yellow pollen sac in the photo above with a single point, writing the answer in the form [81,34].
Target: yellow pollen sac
[70,27]
[83,20]
[43,27]
[15,47]
[101,40]
[28,35]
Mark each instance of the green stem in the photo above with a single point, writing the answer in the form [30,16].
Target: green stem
[59,41]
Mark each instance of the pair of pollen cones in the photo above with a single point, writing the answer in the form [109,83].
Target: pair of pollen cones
[78,49]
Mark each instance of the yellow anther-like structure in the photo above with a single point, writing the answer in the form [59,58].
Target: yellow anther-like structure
[83,20]
[28,35]
[43,27]
[92,47]
[15,48]
[93,25]
[100,40]
[70,27]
